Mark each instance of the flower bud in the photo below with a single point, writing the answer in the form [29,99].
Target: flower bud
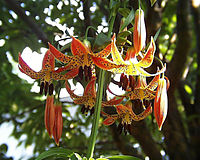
[49,115]
[161,103]
[139,33]
[58,123]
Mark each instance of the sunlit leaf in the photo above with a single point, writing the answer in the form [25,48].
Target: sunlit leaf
[128,20]
[122,157]
[55,152]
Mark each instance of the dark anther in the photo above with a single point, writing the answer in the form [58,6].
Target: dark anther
[46,86]
[41,87]
[89,72]
[51,89]
[86,72]
[92,111]
[83,109]
[80,72]
[125,129]
[121,78]
[131,82]
[129,128]
[86,110]
[120,128]
[124,82]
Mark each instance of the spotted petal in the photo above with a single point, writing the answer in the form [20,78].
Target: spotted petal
[147,60]
[90,88]
[27,70]
[104,53]
[105,64]
[69,75]
[112,102]
[48,63]
[78,48]
[142,115]
[60,56]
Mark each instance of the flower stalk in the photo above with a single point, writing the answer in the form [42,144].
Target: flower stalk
[96,116]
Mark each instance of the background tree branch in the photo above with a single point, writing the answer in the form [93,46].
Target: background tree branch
[14,5]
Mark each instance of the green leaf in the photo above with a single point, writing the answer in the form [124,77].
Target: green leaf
[55,152]
[152,2]
[124,12]
[128,20]
[100,41]
[122,157]
[157,34]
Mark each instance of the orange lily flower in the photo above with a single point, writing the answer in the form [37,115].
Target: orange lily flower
[161,102]
[126,115]
[58,123]
[142,90]
[133,66]
[89,96]
[47,73]
[49,116]
[88,99]
[84,59]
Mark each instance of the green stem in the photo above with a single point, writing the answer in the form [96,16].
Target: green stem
[96,116]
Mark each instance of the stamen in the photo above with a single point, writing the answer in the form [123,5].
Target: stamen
[80,72]
[86,110]
[92,111]
[129,128]
[41,87]
[83,109]
[131,82]
[89,72]
[86,72]
[46,86]
[125,129]
[51,89]
[124,82]
[120,128]
[121,79]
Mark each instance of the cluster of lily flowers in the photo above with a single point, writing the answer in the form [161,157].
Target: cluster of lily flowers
[132,80]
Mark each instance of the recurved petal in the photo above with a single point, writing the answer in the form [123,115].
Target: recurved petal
[48,62]
[78,48]
[112,102]
[147,60]
[109,121]
[154,82]
[142,72]
[24,68]
[69,75]
[104,63]
[90,88]
[142,115]
[116,56]
[104,53]
[71,93]
[60,56]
